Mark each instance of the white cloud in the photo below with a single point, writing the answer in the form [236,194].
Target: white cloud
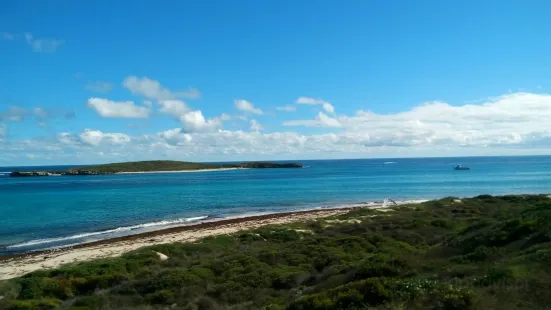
[286,108]
[256,126]
[246,106]
[152,89]
[513,119]
[123,109]
[194,121]
[321,120]
[96,137]
[7,36]
[175,137]
[67,138]
[225,117]
[328,107]
[99,86]
[174,107]
[43,45]
[512,124]
[93,138]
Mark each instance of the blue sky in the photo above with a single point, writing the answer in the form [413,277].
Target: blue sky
[101,81]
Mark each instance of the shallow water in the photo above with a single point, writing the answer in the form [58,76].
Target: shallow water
[51,211]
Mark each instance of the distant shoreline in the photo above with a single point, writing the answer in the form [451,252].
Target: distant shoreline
[153,166]
[181,171]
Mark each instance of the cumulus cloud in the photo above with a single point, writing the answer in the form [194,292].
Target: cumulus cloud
[286,108]
[256,126]
[123,109]
[94,138]
[152,89]
[99,86]
[174,107]
[321,120]
[194,121]
[246,106]
[514,124]
[42,45]
[511,119]
[328,107]
[175,136]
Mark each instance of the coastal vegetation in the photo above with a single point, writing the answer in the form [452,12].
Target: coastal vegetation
[478,253]
[152,166]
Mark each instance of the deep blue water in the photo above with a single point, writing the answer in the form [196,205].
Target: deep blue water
[70,209]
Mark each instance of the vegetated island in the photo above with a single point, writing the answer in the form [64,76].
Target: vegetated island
[473,253]
[153,166]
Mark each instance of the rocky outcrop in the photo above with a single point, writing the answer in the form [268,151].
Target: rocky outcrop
[30,174]
[52,173]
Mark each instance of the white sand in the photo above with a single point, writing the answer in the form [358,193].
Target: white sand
[19,266]
[182,171]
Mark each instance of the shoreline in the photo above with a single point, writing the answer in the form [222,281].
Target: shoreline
[16,265]
[182,171]
[165,225]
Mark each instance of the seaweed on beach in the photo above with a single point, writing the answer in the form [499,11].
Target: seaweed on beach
[478,253]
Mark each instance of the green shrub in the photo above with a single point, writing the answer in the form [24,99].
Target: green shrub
[33,304]
[160,297]
[415,257]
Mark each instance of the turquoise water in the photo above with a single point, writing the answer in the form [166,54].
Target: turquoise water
[43,212]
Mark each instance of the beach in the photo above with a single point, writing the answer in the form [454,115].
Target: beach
[16,265]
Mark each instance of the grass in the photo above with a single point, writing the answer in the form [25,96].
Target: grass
[479,253]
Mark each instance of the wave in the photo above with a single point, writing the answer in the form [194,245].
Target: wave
[109,231]
[76,239]
[389,162]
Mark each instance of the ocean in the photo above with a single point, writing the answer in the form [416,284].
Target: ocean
[45,212]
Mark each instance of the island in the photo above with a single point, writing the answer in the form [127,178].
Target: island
[153,166]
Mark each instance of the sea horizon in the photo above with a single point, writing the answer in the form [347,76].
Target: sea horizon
[274,160]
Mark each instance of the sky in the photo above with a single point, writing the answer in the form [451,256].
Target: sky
[84,82]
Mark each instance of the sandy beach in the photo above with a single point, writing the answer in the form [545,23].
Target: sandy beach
[16,265]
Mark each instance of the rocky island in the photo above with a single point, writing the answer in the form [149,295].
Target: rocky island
[153,166]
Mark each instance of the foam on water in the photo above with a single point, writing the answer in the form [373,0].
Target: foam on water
[160,224]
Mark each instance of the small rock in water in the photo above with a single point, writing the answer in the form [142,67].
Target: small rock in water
[162,256]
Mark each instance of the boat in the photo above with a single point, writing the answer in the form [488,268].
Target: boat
[460,167]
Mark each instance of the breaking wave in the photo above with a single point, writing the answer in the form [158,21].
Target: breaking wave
[109,231]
